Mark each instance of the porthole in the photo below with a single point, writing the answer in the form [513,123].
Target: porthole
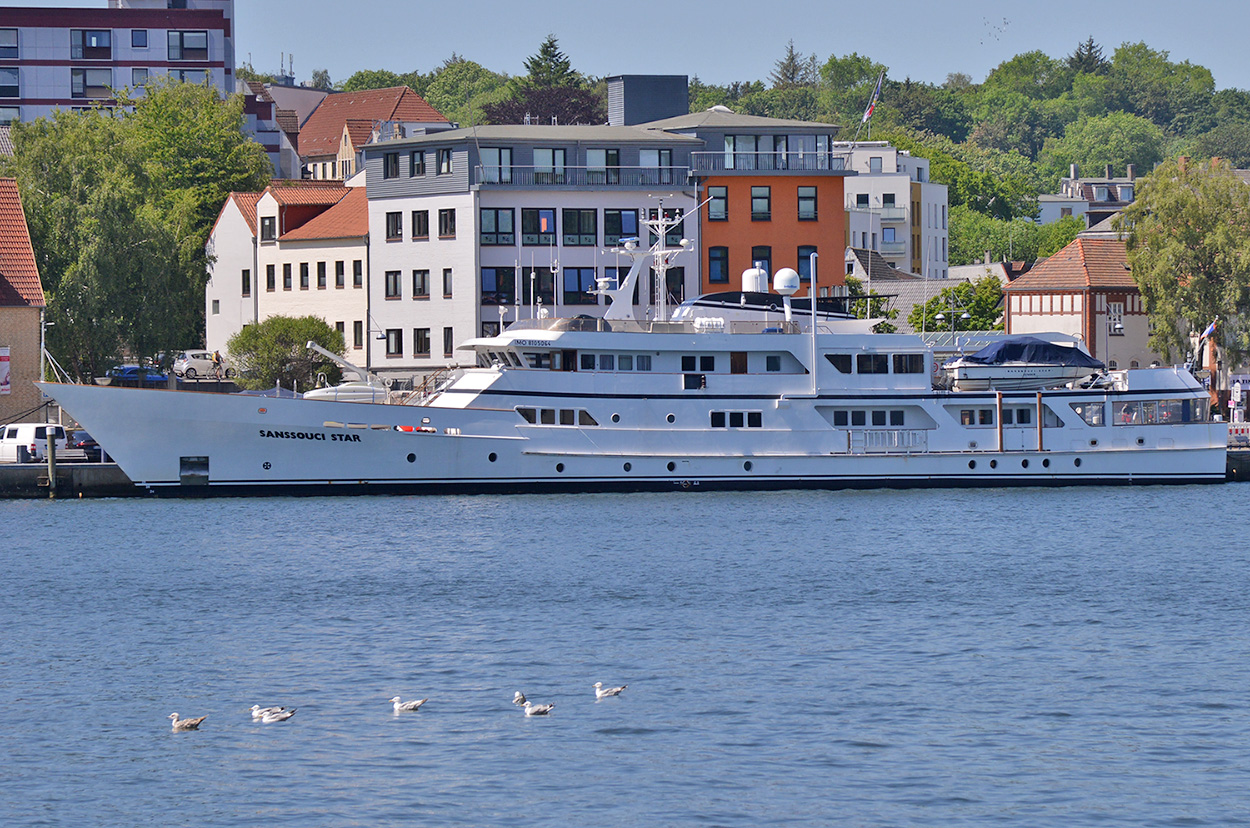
[972,464]
[492,457]
[559,467]
[1024,464]
[993,464]
[616,418]
[412,458]
[1076,462]
[672,466]
[1093,442]
[1141,441]
[628,466]
[1046,463]
[747,465]
[672,418]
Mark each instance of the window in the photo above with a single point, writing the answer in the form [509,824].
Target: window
[656,166]
[420,284]
[887,235]
[805,262]
[8,43]
[642,362]
[286,276]
[498,285]
[859,418]
[842,362]
[909,363]
[447,223]
[138,38]
[807,203]
[449,342]
[762,255]
[874,164]
[138,77]
[578,282]
[840,418]
[538,226]
[392,284]
[9,114]
[1115,318]
[581,228]
[718,265]
[216,306]
[872,364]
[490,329]
[190,75]
[603,166]
[718,204]
[268,228]
[619,224]
[303,275]
[421,342]
[321,275]
[394,342]
[772,363]
[8,82]
[548,165]
[447,282]
[420,225]
[416,163]
[271,278]
[496,165]
[761,204]
[358,334]
[90,83]
[246,278]
[394,226]
[339,274]
[861,200]
[878,418]
[497,227]
[341,327]
[188,45]
[390,165]
[358,274]
[538,283]
[1093,414]
[707,364]
[90,44]
[444,163]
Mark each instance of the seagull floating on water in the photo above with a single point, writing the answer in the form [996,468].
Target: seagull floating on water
[602,692]
[519,698]
[183,725]
[259,712]
[532,709]
[279,715]
[406,706]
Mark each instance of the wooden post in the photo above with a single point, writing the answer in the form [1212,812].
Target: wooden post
[51,441]
[998,399]
[1040,420]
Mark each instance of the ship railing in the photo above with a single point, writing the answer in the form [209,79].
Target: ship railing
[430,387]
[699,325]
[888,440]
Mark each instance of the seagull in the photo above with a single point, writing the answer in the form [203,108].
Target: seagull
[279,715]
[258,711]
[532,709]
[602,692]
[519,698]
[183,725]
[405,706]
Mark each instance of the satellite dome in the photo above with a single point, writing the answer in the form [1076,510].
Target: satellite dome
[786,282]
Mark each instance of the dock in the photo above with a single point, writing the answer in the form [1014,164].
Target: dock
[73,480]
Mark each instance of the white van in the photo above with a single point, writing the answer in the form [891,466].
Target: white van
[16,440]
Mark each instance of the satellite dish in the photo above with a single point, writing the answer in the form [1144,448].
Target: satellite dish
[786,282]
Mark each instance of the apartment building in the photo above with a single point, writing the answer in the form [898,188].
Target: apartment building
[1096,198]
[72,58]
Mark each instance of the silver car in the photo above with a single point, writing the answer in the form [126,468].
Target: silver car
[193,364]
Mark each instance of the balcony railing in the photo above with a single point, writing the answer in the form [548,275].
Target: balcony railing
[892,248]
[514,176]
[891,214]
[768,161]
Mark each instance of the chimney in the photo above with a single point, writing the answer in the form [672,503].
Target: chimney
[1074,172]
[1108,171]
[987,257]
[1132,172]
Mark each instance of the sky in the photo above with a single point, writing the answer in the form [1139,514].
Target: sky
[731,40]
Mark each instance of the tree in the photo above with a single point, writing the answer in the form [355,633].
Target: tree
[276,352]
[244,71]
[538,105]
[1176,96]
[550,68]
[460,88]
[863,306]
[974,234]
[1088,59]
[371,79]
[321,80]
[792,69]
[982,300]
[1229,141]
[1032,74]
[1117,138]
[1189,251]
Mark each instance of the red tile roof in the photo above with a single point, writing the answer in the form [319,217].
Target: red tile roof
[349,219]
[19,277]
[246,203]
[1085,263]
[307,195]
[323,130]
[359,131]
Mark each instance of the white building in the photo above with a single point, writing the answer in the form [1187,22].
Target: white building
[71,58]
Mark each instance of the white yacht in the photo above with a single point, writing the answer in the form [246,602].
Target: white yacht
[713,397]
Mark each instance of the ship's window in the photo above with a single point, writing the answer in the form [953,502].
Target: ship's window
[878,418]
[985,416]
[840,361]
[909,363]
[1094,414]
[588,362]
[688,363]
[755,419]
[772,362]
[718,419]
[896,418]
[839,418]
[547,416]
[584,418]
[1024,416]
[966,417]
[872,363]
[541,359]
[858,418]
[527,414]
[1007,416]
[643,362]
[735,419]
[607,362]
[516,360]
[567,416]
[707,363]
[1050,419]
[738,362]
[625,363]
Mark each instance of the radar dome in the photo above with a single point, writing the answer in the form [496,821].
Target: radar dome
[755,279]
[786,282]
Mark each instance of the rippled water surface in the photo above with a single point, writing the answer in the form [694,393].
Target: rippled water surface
[1042,657]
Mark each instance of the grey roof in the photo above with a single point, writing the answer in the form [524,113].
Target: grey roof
[1102,229]
[911,292]
[881,269]
[723,118]
[566,133]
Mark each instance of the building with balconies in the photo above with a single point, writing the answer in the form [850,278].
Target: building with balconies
[1096,199]
[73,58]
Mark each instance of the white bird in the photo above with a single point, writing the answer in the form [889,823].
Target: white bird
[602,692]
[406,706]
[258,711]
[519,698]
[280,715]
[532,709]
[183,725]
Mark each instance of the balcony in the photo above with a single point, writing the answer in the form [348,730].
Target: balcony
[892,248]
[892,213]
[749,162]
[528,177]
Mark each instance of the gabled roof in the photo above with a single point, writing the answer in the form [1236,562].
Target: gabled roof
[258,89]
[348,219]
[358,131]
[1085,263]
[19,277]
[323,130]
[246,205]
[288,122]
[719,117]
[313,194]
[880,267]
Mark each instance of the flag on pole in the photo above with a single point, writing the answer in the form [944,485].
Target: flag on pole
[876,93]
[1210,330]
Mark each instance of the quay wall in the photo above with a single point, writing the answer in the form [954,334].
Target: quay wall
[30,480]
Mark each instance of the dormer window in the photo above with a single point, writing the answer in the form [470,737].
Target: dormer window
[1126,192]
[1100,193]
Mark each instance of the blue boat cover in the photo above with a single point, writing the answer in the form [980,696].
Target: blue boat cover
[1033,350]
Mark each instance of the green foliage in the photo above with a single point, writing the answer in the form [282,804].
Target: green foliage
[371,79]
[460,88]
[704,96]
[1032,74]
[924,108]
[244,71]
[1116,138]
[1229,141]
[868,307]
[792,70]
[801,103]
[567,105]
[275,352]
[982,300]
[550,68]
[1175,96]
[1189,250]
[321,80]
[981,181]
[972,234]
[1088,59]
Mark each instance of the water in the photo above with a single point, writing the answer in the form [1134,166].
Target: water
[1040,657]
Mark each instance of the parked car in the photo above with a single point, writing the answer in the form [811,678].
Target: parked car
[192,364]
[87,444]
[137,375]
[29,441]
